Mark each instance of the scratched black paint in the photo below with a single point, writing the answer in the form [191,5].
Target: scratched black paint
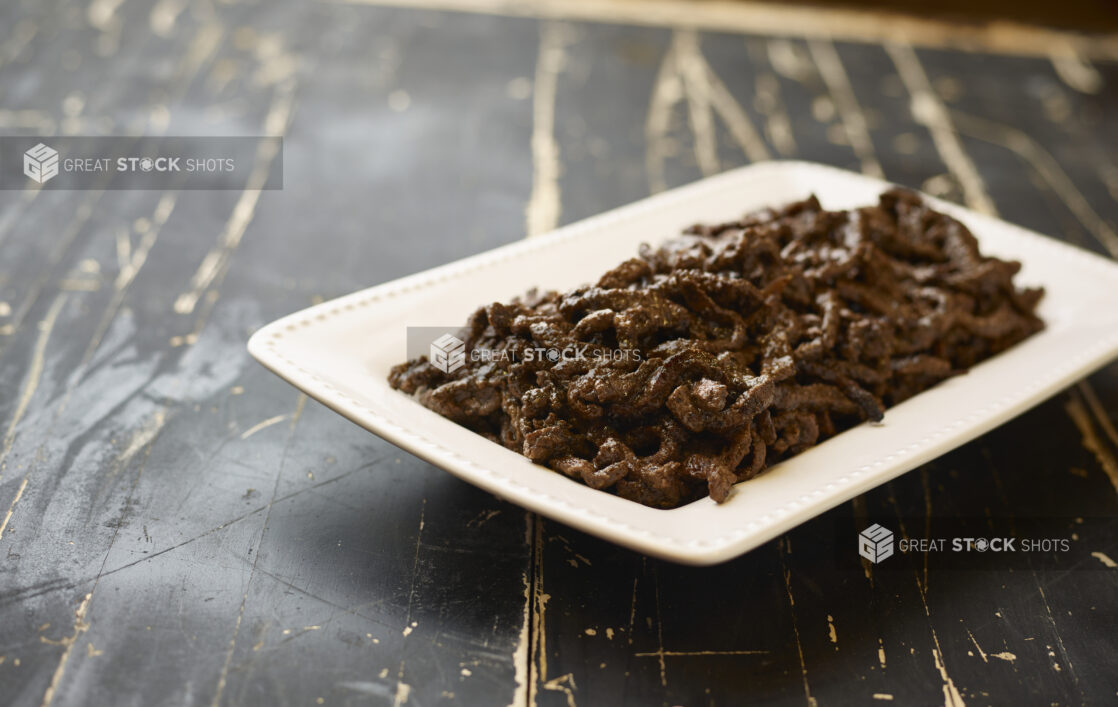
[233,557]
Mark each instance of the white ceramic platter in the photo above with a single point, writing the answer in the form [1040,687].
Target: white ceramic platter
[340,352]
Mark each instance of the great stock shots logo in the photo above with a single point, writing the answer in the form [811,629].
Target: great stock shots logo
[40,163]
[156,162]
[875,543]
[448,353]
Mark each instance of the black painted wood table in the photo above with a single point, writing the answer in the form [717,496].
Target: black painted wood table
[179,527]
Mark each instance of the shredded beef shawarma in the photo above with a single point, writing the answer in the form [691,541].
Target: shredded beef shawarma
[749,342]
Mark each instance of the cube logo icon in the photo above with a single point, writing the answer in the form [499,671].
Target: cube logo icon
[448,353]
[40,163]
[875,543]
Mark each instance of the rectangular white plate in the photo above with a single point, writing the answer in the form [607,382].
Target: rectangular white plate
[340,353]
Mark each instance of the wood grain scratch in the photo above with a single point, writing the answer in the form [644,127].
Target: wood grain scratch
[850,112]
[403,690]
[143,435]
[214,264]
[951,695]
[1104,559]
[861,520]
[734,116]
[1047,167]
[1075,70]
[1049,616]
[787,575]
[223,674]
[929,111]
[1056,631]
[788,60]
[522,656]
[263,424]
[80,627]
[685,74]
[691,654]
[300,405]
[163,16]
[101,14]
[34,375]
[542,212]
[537,673]
[697,88]
[981,653]
[1090,438]
[1093,404]
[926,492]
[778,124]
[660,633]
[566,684]
[633,607]
[667,90]
[130,262]
[415,565]
[12,506]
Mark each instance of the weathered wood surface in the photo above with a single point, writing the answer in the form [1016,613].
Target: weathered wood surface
[180,527]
